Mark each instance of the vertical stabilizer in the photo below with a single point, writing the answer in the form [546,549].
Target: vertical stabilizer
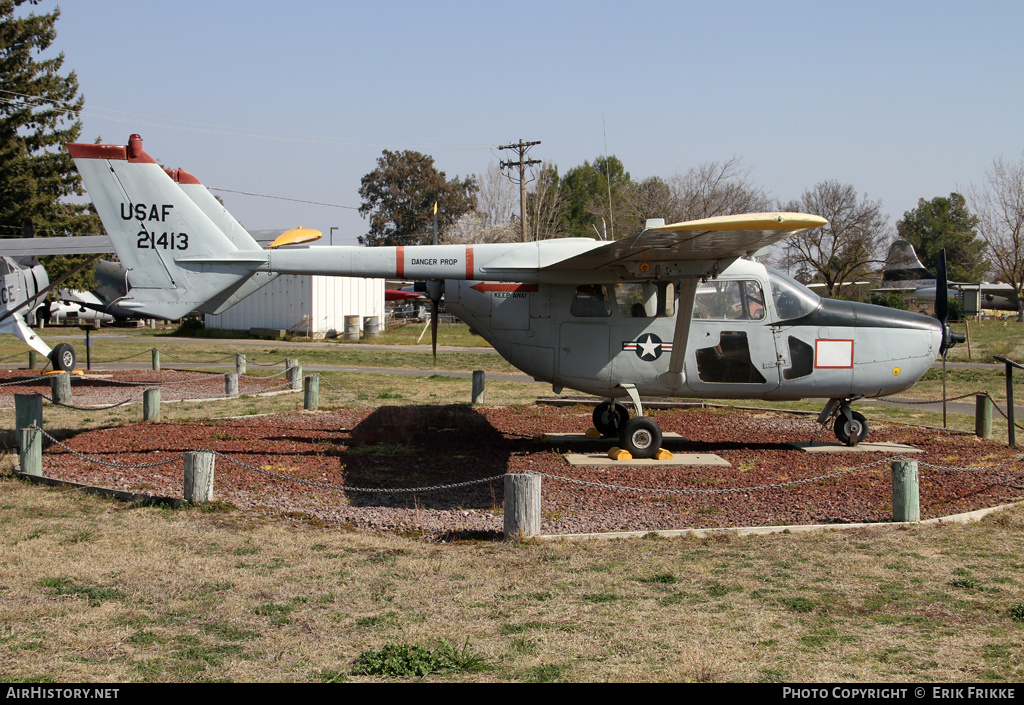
[155,229]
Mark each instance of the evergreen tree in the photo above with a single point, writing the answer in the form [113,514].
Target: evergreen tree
[38,114]
[584,192]
[399,197]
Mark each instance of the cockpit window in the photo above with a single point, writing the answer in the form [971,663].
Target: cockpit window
[645,299]
[591,301]
[724,300]
[791,298]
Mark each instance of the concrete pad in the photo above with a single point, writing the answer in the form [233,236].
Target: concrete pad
[859,448]
[582,438]
[678,460]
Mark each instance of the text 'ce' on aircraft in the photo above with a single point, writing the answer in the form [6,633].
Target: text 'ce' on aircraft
[674,311]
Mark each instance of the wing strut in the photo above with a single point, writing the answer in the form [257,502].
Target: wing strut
[675,378]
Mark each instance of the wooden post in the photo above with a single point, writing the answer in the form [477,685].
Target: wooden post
[151,404]
[231,384]
[199,465]
[294,375]
[240,363]
[156,360]
[60,388]
[31,451]
[906,501]
[33,359]
[478,386]
[522,506]
[983,416]
[290,362]
[311,392]
[28,410]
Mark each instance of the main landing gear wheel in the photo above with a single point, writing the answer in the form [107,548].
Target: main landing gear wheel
[641,437]
[609,418]
[845,431]
[63,357]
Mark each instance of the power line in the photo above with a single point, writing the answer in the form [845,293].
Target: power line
[282,198]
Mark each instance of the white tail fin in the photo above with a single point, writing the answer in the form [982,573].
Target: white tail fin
[239,236]
[156,228]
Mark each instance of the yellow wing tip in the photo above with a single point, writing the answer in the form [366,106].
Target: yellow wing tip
[750,221]
[296,236]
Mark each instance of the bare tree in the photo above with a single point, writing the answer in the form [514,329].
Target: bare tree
[472,229]
[496,216]
[498,198]
[848,246]
[999,205]
[704,191]
[544,206]
[715,188]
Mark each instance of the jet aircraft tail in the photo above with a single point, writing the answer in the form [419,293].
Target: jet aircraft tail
[161,234]
[903,265]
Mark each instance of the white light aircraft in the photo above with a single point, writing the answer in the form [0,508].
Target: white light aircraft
[674,311]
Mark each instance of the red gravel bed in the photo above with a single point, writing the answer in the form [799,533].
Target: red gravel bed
[311,464]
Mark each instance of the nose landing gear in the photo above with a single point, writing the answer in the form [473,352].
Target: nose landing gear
[851,427]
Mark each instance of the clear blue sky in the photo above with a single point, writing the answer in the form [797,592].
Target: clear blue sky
[901,99]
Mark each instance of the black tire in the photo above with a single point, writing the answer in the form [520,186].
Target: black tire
[609,418]
[641,436]
[843,431]
[63,357]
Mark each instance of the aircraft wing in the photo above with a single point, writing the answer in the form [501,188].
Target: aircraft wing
[38,246]
[723,237]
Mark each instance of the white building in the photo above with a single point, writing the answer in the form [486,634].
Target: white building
[306,304]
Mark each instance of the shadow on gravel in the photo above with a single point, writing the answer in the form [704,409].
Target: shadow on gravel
[404,447]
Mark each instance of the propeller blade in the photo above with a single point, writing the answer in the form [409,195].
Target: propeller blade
[942,291]
[949,338]
[433,329]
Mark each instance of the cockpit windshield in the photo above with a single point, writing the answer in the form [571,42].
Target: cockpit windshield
[792,299]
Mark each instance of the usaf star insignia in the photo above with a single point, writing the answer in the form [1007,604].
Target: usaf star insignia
[648,347]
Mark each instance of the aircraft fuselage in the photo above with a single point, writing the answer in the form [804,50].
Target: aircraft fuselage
[745,340]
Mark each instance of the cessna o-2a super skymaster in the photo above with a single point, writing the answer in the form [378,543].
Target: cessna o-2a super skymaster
[675,311]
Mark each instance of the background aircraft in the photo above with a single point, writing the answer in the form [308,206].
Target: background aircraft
[25,286]
[676,310]
[905,274]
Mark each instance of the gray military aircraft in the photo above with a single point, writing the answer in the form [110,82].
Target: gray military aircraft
[25,285]
[904,273]
[674,311]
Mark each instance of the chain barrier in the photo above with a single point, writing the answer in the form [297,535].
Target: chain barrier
[283,360]
[936,401]
[126,357]
[94,408]
[357,401]
[778,485]
[198,362]
[276,374]
[30,380]
[346,488]
[100,461]
[270,473]
[468,483]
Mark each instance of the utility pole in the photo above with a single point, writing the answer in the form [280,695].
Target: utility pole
[523,148]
